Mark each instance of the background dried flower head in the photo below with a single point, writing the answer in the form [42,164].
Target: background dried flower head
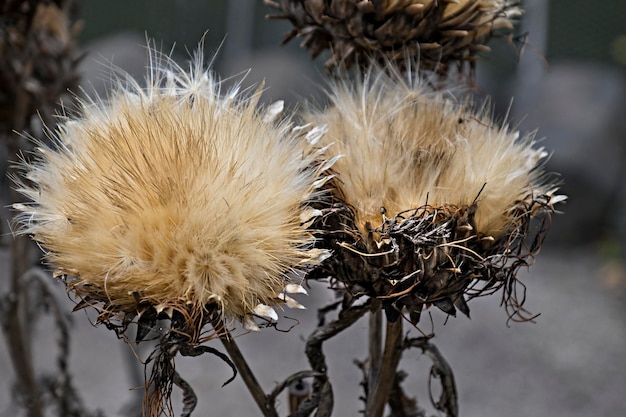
[439,35]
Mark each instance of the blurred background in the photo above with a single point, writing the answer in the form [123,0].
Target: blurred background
[568,83]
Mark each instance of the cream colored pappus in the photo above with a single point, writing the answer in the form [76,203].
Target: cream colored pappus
[406,146]
[433,200]
[176,194]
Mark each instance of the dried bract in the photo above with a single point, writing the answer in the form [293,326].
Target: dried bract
[433,202]
[436,34]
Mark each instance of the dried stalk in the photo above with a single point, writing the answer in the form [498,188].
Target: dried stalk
[401,405]
[16,328]
[322,397]
[157,398]
[392,353]
[448,401]
[375,347]
[262,401]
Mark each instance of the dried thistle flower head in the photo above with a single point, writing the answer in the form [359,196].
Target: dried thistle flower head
[433,199]
[436,33]
[175,198]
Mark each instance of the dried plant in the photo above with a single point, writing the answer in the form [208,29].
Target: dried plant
[433,200]
[182,202]
[439,35]
[176,202]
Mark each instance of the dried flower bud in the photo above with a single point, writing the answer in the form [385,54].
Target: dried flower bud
[437,34]
[433,200]
[175,198]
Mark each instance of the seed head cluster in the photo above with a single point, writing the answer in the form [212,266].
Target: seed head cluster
[174,196]
[177,200]
[432,196]
[405,146]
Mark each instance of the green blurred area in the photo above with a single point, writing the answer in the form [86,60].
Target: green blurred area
[586,30]
[578,29]
[169,21]
[180,21]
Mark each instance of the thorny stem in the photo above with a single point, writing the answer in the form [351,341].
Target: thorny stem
[383,385]
[64,383]
[246,373]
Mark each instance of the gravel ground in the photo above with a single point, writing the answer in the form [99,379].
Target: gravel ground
[571,362]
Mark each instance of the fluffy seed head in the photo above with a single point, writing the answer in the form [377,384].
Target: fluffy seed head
[173,195]
[436,195]
[436,33]
[405,147]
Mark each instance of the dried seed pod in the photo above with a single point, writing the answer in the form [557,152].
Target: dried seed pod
[436,34]
[433,201]
[175,198]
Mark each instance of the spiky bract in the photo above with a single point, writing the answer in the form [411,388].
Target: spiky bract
[174,196]
[437,34]
[431,195]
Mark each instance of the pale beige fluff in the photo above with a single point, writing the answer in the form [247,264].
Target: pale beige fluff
[173,194]
[406,146]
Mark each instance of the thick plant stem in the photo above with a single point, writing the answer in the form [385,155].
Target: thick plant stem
[247,375]
[392,353]
[375,346]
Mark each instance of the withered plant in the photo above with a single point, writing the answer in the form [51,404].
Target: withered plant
[176,202]
[190,204]
[434,201]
